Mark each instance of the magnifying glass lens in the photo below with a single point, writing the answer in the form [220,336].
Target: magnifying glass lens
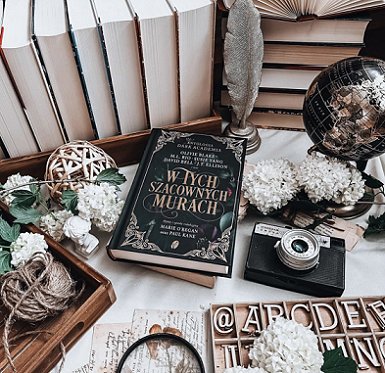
[161,353]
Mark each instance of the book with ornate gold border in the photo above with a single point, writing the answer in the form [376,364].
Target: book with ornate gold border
[181,211]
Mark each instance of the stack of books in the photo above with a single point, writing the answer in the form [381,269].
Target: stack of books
[301,41]
[89,69]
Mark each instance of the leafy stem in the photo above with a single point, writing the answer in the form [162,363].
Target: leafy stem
[5,192]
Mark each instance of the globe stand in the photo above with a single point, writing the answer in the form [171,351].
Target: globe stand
[352,212]
[250,133]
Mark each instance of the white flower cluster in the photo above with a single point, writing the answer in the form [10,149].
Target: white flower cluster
[286,347]
[100,205]
[330,179]
[25,246]
[14,181]
[53,222]
[271,184]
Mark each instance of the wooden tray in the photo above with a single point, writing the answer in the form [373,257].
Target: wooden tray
[356,324]
[125,149]
[40,353]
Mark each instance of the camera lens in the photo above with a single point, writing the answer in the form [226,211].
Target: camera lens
[298,249]
[300,246]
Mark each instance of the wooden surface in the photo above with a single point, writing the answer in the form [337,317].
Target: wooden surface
[125,149]
[41,352]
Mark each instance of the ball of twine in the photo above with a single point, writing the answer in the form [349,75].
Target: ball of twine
[41,288]
[75,160]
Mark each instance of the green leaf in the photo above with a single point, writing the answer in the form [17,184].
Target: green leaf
[375,225]
[24,198]
[69,200]
[111,176]
[8,233]
[34,188]
[25,215]
[371,181]
[225,221]
[5,262]
[336,362]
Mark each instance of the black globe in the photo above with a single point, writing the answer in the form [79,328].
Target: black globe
[344,109]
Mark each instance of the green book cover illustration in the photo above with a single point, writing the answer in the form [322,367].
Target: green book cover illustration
[181,211]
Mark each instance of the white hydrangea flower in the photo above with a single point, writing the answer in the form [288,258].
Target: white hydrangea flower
[14,181]
[245,370]
[100,204]
[271,184]
[330,179]
[53,222]
[287,347]
[25,246]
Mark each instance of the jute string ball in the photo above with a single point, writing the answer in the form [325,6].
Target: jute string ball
[41,288]
[74,162]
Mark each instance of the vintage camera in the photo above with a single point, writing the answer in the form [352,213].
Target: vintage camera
[297,260]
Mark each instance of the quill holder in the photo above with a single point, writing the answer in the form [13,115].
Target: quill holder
[248,131]
[243,56]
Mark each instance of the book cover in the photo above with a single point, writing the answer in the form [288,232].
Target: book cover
[181,211]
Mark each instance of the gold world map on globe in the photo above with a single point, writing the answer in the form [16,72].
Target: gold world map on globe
[344,109]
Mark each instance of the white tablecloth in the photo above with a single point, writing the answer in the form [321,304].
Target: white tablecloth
[137,287]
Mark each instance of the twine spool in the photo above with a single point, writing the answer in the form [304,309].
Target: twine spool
[75,160]
[39,289]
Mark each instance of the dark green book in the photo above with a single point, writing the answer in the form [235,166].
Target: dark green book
[181,211]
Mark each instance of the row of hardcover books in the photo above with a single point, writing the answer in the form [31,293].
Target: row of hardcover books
[295,53]
[88,69]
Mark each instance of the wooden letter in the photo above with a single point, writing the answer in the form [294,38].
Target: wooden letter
[370,355]
[353,314]
[230,356]
[270,316]
[340,343]
[224,320]
[378,310]
[304,306]
[381,345]
[252,318]
[322,326]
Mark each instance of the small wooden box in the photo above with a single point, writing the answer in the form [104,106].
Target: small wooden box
[40,353]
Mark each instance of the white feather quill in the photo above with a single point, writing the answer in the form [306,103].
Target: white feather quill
[243,56]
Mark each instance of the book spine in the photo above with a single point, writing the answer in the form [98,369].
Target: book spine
[44,72]
[279,111]
[177,33]
[315,44]
[3,150]
[79,67]
[103,47]
[16,89]
[289,91]
[141,58]
[133,190]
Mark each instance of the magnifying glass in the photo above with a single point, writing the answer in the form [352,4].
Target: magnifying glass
[161,353]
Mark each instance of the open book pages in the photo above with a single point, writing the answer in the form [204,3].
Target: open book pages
[294,9]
